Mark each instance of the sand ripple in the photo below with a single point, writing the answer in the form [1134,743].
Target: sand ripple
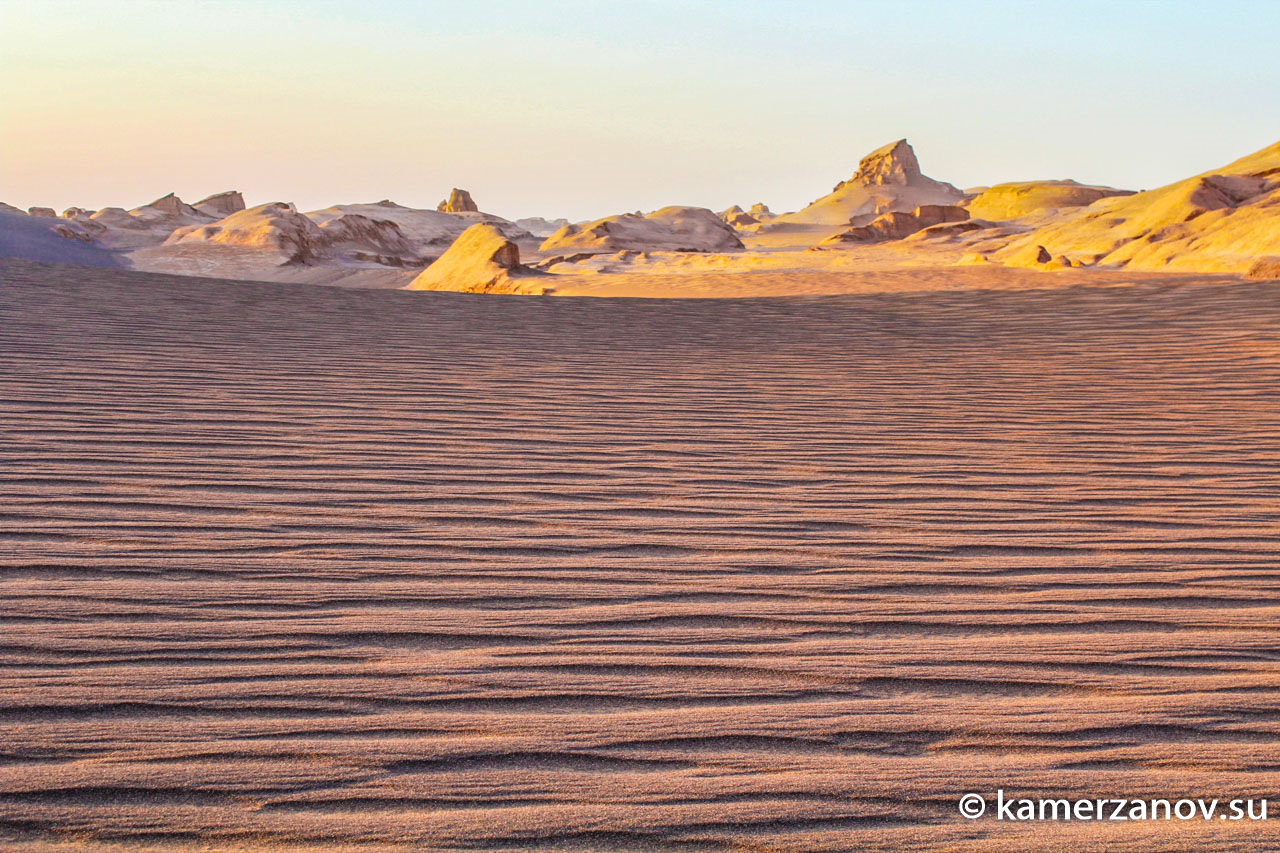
[288,566]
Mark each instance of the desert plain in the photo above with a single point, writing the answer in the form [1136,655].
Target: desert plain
[378,529]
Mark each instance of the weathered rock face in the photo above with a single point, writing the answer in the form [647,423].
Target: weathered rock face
[221,204]
[894,163]
[481,260]
[362,238]
[671,229]
[1014,200]
[936,214]
[459,201]
[45,212]
[896,225]
[77,213]
[888,180]
[169,206]
[760,211]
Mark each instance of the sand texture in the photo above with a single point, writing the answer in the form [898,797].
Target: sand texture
[289,567]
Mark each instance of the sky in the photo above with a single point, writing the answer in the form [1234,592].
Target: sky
[582,110]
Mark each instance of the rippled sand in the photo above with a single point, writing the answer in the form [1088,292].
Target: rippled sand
[290,567]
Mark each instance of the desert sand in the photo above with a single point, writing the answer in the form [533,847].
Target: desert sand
[290,567]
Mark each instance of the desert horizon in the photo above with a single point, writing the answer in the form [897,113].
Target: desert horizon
[819,498]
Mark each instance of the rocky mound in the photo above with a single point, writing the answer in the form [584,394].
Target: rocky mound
[276,227]
[459,201]
[671,229]
[293,237]
[51,240]
[428,232]
[1218,221]
[1014,200]
[482,260]
[896,225]
[888,180]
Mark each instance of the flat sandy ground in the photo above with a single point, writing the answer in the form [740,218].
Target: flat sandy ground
[286,567]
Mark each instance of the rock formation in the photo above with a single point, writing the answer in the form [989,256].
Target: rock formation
[736,217]
[356,237]
[276,227]
[671,229]
[1013,200]
[428,232]
[1219,221]
[50,239]
[888,180]
[45,212]
[539,227]
[169,207]
[222,204]
[896,225]
[459,201]
[482,260]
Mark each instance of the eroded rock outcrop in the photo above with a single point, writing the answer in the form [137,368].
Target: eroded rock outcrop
[221,204]
[276,227]
[428,232]
[1218,221]
[481,260]
[736,217]
[459,201]
[888,180]
[1014,200]
[897,225]
[671,229]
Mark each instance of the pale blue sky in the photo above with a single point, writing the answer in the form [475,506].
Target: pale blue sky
[584,109]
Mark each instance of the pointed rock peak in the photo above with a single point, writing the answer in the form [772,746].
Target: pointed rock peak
[894,163]
[459,201]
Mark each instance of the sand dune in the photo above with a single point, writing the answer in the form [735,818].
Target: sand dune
[298,568]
